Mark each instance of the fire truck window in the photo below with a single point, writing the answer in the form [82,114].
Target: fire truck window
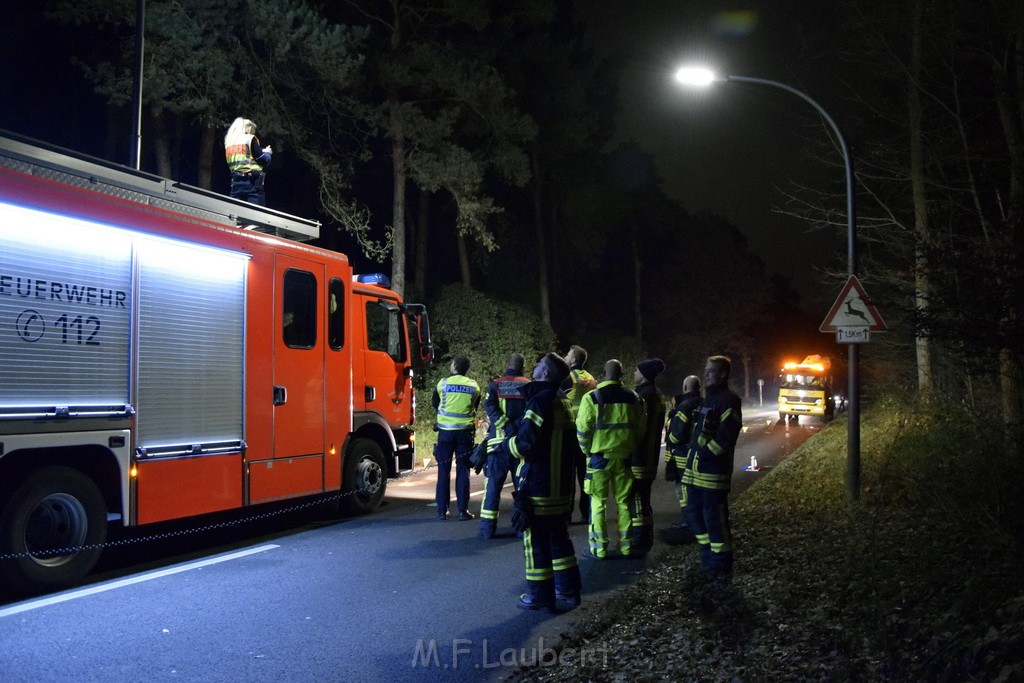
[336,314]
[299,313]
[384,330]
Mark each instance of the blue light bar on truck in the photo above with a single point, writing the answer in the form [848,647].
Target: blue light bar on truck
[379,279]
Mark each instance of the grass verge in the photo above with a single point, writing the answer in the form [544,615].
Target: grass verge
[918,580]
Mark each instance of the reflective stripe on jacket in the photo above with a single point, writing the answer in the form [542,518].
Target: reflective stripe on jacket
[238,153]
[504,403]
[716,428]
[545,439]
[610,420]
[581,383]
[680,427]
[458,397]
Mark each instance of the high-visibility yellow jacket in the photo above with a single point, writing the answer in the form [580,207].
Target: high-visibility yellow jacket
[580,382]
[238,152]
[610,420]
[456,399]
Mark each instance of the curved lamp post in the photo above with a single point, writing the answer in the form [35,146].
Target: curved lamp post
[700,77]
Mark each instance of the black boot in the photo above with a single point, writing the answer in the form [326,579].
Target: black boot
[540,597]
[681,524]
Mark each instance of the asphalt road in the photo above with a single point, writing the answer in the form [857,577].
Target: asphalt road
[395,596]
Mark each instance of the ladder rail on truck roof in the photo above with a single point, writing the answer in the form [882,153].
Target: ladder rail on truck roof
[43,160]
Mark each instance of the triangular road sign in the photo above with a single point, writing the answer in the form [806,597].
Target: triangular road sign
[853,308]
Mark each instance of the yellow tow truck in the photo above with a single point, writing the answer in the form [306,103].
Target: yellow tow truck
[805,389]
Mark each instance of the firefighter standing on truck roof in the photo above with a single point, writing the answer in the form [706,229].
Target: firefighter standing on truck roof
[609,423]
[246,161]
[456,399]
[545,443]
[504,405]
[575,386]
[645,458]
[708,474]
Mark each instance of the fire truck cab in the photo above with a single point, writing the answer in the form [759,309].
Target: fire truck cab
[167,352]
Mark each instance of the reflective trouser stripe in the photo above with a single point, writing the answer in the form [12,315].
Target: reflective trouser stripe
[549,554]
[707,513]
[642,514]
[617,476]
[642,528]
[499,466]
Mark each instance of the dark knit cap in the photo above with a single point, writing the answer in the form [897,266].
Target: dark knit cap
[651,367]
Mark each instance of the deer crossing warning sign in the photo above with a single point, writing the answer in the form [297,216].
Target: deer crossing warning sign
[853,317]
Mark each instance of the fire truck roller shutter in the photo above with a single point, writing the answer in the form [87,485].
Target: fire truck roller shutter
[190,346]
[55,508]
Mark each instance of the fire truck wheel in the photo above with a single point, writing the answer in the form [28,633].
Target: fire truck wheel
[365,478]
[54,509]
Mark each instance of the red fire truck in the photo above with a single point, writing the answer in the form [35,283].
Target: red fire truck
[167,352]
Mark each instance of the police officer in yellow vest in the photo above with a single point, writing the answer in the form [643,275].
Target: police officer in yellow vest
[246,161]
[456,399]
[576,386]
[609,425]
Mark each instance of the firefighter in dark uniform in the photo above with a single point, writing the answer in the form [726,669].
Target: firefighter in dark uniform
[577,385]
[504,405]
[455,399]
[708,475]
[544,443]
[644,465]
[680,425]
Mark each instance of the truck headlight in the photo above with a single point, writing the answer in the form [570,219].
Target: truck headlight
[782,399]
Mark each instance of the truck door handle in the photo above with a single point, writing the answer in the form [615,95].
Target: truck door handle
[280,396]
[371,393]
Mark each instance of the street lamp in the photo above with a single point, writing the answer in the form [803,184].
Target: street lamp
[701,77]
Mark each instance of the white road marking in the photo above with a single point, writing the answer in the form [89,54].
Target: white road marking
[103,587]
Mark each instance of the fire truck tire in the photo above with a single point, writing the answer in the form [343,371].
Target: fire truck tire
[55,508]
[366,477]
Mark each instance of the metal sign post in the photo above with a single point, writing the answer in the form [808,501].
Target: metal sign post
[853,318]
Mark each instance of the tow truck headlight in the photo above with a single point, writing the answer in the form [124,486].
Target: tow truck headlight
[819,402]
[782,399]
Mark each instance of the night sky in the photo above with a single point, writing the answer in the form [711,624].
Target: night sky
[733,149]
[730,150]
